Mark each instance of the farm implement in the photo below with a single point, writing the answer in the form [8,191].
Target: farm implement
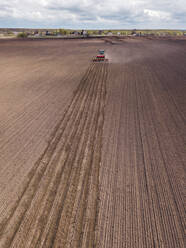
[100,57]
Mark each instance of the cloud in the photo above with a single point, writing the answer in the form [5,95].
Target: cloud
[160,15]
[93,13]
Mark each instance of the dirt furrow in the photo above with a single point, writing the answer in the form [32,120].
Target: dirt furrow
[53,172]
[80,167]
[89,192]
[149,213]
[163,197]
[57,168]
[174,194]
[55,217]
[31,184]
[90,227]
[107,182]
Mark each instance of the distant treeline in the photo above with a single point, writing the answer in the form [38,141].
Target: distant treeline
[22,32]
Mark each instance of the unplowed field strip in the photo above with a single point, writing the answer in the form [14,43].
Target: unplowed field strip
[58,202]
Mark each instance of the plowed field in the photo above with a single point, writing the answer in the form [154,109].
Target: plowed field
[92,154]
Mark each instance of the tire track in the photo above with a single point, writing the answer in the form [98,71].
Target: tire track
[36,173]
[53,178]
[44,160]
[68,171]
[91,180]
[71,160]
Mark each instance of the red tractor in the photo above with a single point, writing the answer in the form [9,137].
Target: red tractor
[100,57]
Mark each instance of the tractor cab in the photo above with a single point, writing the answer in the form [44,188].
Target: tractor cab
[102,52]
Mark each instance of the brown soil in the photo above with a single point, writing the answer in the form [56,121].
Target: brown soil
[92,154]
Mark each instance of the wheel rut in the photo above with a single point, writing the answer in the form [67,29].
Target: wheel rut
[57,204]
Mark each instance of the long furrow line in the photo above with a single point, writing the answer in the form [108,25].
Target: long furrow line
[134,231]
[55,137]
[131,161]
[73,163]
[149,215]
[53,183]
[90,201]
[167,227]
[70,172]
[64,214]
[125,167]
[152,204]
[56,172]
[172,191]
[153,160]
[119,205]
[144,231]
[29,187]
[131,193]
[107,211]
[72,228]
[117,217]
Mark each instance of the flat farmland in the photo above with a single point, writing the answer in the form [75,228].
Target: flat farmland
[92,154]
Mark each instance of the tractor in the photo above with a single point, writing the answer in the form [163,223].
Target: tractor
[100,57]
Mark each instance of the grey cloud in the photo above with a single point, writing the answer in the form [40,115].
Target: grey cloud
[97,14]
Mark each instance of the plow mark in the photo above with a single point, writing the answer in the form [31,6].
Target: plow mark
[57,204]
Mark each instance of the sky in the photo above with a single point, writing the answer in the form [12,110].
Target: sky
[93,14]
